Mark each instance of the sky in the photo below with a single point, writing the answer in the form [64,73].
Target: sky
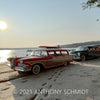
[33,23]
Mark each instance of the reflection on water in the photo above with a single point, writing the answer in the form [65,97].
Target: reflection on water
[4,54]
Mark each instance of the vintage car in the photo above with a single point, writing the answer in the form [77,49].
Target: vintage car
[86,52]
[45,57]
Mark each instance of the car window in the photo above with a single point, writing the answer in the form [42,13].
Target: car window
[37,53]
[58,53]
[43,53]
[64,52]
[81,48]
[86,48]
[94,49]
[51,53]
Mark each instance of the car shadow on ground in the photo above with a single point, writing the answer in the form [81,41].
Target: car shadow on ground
[35,81]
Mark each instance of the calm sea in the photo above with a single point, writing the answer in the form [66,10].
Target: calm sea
[4,54]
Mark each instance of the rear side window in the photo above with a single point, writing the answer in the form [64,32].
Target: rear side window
[51,53]
[64,52]
[43,53]
[58,53]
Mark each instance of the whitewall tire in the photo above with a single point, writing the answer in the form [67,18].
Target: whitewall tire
[36,69]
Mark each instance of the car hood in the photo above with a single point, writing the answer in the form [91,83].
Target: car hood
[30,57]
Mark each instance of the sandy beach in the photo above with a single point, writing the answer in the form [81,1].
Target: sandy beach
[77,81]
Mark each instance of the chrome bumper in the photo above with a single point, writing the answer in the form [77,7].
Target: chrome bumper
[9,65]
[22,69]
[75,57]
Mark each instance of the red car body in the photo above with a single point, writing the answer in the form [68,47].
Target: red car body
[44,58]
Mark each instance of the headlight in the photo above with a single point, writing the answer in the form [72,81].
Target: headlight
[22,65]
[78,54]
[21,61]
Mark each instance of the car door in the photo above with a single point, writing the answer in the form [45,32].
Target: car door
[58,59]
[50,59]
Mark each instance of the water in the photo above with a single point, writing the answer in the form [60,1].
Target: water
[4,54]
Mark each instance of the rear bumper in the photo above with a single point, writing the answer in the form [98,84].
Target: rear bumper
[69,61]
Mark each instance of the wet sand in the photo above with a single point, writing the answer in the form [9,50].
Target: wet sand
[77,81]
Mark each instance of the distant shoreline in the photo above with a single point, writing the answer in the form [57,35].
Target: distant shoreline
[73,45]
[14,48]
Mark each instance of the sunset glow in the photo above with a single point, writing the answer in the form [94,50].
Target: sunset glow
[3,25]
[33,23]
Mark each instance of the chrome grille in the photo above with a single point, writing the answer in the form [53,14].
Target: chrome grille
[13,63]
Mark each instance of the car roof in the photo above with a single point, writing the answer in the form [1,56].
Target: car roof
[89,46]
[46,49]
[50,49]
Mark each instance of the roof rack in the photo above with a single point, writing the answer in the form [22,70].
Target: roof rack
[50,47]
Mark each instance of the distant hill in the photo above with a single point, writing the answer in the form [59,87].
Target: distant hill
[74,45]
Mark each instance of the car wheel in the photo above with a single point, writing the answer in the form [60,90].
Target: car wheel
[83,58]
[65,63]
[36,69]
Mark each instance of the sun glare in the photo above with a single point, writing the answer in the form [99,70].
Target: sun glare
[3,25]
[4,54]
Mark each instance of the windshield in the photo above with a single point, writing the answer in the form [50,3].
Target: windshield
[81,48]
[29,52]
[39,53]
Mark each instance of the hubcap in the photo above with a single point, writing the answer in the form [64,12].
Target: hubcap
[36,69]
[83,58]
